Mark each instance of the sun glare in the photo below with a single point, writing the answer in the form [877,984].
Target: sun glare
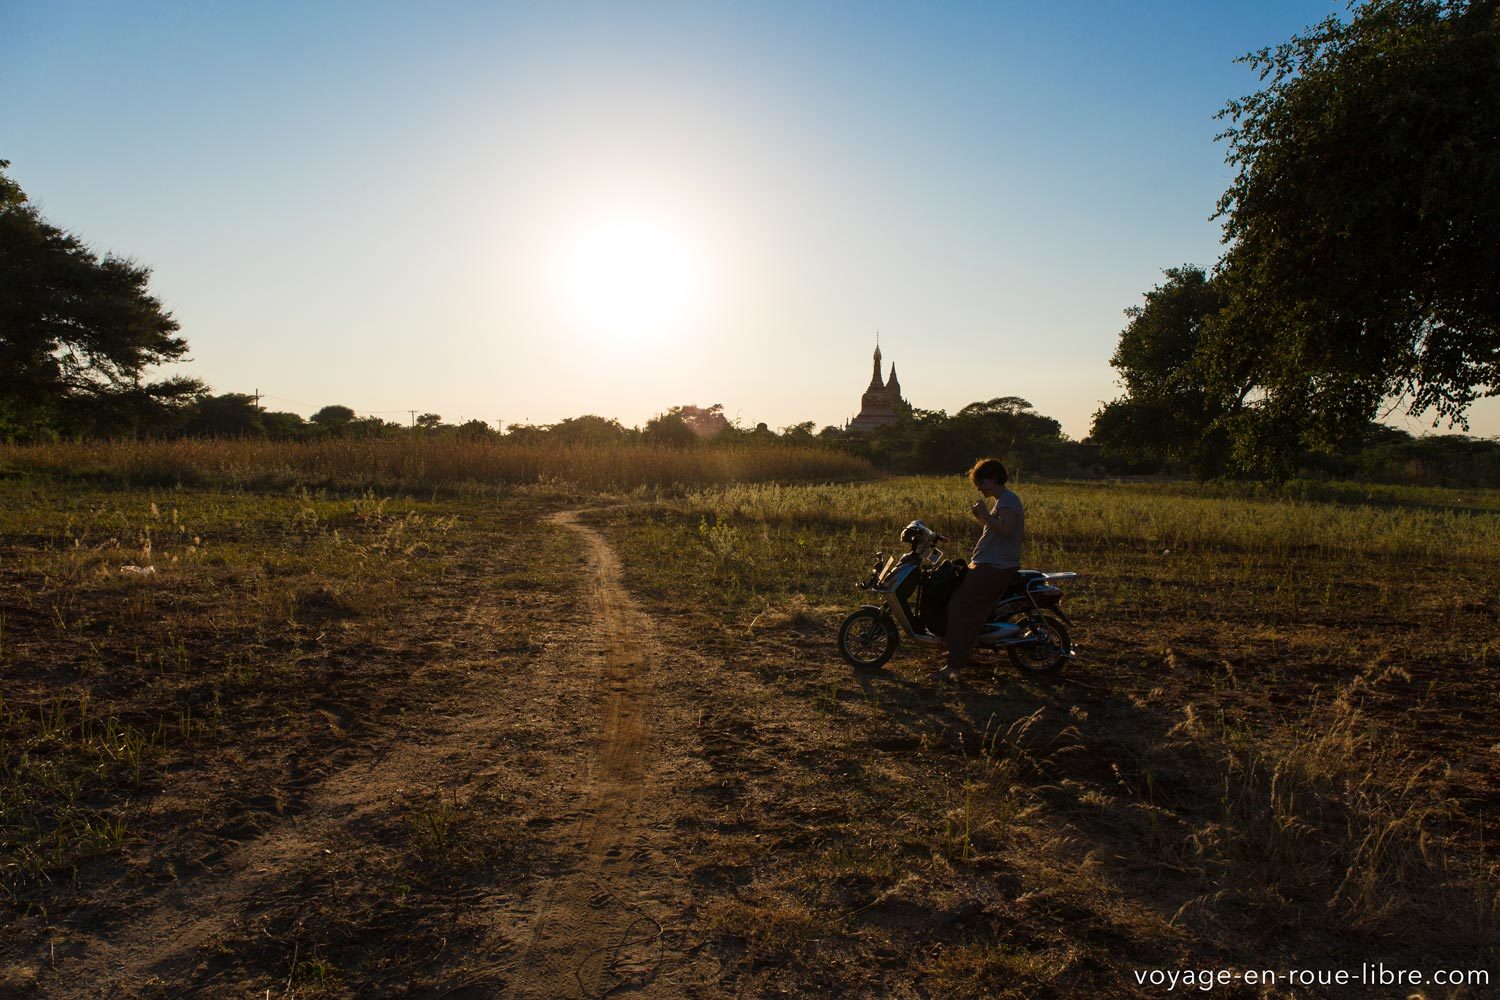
[629,274]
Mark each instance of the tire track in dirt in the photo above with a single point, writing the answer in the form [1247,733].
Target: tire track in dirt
[609,921]
[591,934]
[163,943]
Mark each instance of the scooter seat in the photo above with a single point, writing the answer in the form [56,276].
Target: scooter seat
[1023,577]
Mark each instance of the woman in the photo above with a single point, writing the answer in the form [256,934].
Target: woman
[992,567]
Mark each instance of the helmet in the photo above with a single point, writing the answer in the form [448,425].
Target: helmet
[917,533]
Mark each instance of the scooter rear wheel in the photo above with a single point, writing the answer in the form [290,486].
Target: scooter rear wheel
[867,639]
[1047,656]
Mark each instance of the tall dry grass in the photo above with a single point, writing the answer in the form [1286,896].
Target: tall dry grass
[420,463]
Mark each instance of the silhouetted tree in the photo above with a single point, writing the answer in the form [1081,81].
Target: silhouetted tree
[1003,404]
[670,429]
[705,421]
[476,430]
[799,433]
[1363,220]
[372,426]
[1168,411]
[587,429]
[232,414]
[78,334]
[284,426]
[525,434]
[333,417]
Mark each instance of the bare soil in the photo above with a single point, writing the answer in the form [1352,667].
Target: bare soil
[610,922]
[487,812]
[551,750]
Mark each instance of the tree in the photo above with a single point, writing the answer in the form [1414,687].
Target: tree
[799,433]
[283,425]
[476,430]
[525,434]
[587,429]
[705,421]
[234,414]
[1001,404]
[373,426]
[1168,411]
[333,417]
[429,421]
[932,441]
[1362,221]
[78,333]
[671,430]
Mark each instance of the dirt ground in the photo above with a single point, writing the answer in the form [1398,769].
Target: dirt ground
[518,765]
[532,794]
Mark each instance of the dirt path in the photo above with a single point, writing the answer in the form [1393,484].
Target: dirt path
[580,731]
[601,927]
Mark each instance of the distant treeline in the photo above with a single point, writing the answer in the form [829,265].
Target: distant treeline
[920,441]
[1389,455]
[1383,455]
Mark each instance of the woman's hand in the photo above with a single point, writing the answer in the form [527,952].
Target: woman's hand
[1003,522]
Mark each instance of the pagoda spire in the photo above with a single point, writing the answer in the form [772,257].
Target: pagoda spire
[875,380]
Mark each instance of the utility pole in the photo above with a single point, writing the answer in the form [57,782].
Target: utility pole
[257,399]
[413,417]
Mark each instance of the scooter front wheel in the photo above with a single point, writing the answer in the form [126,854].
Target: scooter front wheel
[867,639]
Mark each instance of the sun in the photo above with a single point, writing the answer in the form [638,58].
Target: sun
[629,274]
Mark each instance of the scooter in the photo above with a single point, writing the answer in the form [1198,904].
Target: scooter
[1026,622]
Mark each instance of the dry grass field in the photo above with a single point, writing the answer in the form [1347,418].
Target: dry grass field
[450,742]
[417,463]
[1279,748]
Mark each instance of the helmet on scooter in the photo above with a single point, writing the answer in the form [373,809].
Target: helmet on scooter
[917,533]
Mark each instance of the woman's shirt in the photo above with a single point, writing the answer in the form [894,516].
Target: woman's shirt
[995,549]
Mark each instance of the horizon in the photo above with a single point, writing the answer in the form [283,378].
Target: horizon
[520,215]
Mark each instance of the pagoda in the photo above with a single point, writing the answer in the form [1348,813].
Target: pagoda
[881,402]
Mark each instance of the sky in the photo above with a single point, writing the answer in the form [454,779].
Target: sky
[527,212]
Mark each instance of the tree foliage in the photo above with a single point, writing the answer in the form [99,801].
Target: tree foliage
[233,414]
[1362,221]
[670,430]
[333,416]
[587,429]
[1006,427]
[705,421]
[78,333]
[1169,411]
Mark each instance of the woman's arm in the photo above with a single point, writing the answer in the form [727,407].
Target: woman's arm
[1004,523]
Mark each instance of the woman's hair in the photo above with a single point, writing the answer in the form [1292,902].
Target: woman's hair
[988,468]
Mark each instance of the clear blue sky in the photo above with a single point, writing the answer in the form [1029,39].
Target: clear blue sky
[532,212]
